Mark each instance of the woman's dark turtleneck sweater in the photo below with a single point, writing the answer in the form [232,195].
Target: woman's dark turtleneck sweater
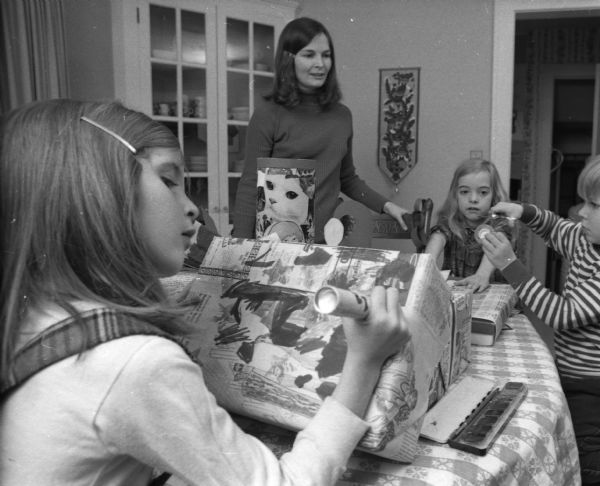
[304,131]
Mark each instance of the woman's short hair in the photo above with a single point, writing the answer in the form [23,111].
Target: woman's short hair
[296,35]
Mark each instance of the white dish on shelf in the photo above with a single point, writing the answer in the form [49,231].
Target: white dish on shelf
[240,113]
[198,57]
[238,64]
[164,54]
[198,163]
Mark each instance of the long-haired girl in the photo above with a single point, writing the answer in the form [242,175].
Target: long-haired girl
[475,188]
[95,386]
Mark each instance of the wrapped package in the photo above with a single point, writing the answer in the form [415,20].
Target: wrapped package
[268,354]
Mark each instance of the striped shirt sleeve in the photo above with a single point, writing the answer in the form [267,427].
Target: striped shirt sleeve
[579,304]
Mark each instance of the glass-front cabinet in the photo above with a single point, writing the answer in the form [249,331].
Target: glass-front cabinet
[200,67]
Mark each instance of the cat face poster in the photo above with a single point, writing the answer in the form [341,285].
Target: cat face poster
[285,199]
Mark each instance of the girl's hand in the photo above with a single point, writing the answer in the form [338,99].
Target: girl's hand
[478,283]
[510,210]
[383,334]
[370,343]
[498,249]
[396,212]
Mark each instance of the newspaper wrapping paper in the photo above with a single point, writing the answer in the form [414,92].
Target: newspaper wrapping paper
[495,304]
[268,354]
[492,308]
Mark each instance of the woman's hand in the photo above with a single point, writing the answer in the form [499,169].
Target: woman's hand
[396,212]
[498,249]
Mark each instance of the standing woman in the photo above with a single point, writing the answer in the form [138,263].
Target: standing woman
[304,119]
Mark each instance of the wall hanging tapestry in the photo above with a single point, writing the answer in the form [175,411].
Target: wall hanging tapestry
[398,121]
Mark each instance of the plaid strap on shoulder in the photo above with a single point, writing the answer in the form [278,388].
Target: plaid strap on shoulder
[74,335]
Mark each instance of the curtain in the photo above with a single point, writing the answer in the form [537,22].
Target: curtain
[553,45]
[33,51]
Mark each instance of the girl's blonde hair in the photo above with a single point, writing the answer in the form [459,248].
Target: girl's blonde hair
[68,194]
[449,213]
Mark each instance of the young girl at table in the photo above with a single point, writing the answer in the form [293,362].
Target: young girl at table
[475,187]
[93,212]
[575,313]
[303,118]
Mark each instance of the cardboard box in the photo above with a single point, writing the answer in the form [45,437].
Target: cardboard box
[456,355]
[462,303]
[268,354]
[491,309]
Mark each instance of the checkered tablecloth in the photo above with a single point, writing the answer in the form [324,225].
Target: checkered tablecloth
[537,447]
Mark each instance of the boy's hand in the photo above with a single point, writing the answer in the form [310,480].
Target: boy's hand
[498,249]
[510,210]
[477,283]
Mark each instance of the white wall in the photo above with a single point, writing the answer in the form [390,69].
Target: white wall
[451,41]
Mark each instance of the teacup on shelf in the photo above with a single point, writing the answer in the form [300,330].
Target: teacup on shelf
[198,163]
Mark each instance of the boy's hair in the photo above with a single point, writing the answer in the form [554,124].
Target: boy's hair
[449,213]
[296,35]
[588,183]
[68,194]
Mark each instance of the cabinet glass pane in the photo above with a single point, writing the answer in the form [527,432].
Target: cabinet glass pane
[264,50]
[236,146]
[193,37]
[162,32]
[233,183]
[262,86]
[194,92]
[238,44]
[237,96]
[194,147]
[164,89]
[197,191]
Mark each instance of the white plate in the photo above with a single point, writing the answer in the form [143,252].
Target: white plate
[163,54]
[240,112]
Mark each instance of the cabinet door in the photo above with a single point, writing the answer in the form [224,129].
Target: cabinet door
[247,37]
[199,66]
[182,71]
[167,51]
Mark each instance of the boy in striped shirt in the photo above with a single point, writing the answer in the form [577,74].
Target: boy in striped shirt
[575,314]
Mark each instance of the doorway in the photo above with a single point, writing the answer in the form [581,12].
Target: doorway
[507,14]
[553,91]
[503,122]
[572,132]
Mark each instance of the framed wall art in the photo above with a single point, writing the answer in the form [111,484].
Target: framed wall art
[398,121]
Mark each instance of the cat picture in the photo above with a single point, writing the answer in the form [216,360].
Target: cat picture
[285,203]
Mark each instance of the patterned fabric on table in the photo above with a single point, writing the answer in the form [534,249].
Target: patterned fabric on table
[537,447]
